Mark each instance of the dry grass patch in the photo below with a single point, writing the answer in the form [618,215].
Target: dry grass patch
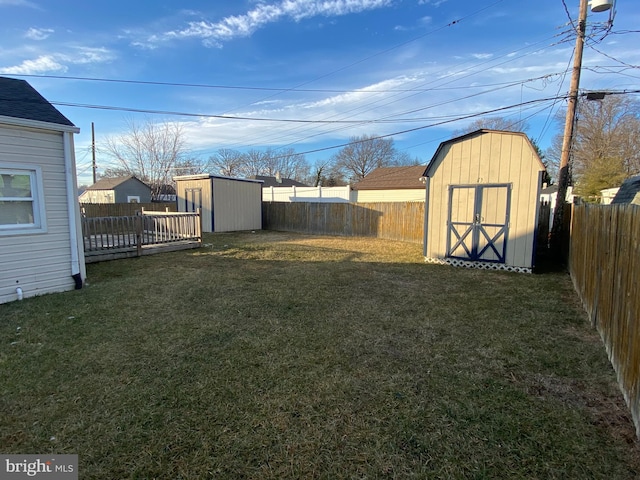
[274,355]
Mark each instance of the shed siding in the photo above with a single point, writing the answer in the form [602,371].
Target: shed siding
[400,195]
[237,205]
[206,213]
[487,158]
[38,263]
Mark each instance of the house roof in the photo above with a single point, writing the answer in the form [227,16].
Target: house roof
[549,190]
[113,182]
[18,99]
[392,178]
[473,134]
[272,182]
[629,192]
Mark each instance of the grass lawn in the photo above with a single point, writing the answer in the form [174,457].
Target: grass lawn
[284,356]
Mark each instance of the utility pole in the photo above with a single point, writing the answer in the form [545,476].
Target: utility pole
[93,152]
[570,119]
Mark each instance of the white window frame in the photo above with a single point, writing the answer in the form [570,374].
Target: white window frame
[39,224]
[133,198]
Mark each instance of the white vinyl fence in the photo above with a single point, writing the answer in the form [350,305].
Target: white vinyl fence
[307,194]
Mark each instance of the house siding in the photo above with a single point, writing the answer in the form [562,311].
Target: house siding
[134,188]
[98,196]
[237,205]
[38,263]
[487,158]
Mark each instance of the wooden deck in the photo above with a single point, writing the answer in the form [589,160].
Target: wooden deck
[110,238]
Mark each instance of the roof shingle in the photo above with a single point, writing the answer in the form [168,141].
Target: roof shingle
[392,178]
[18,99]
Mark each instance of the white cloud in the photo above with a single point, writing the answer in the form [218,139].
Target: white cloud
[214,33]
[42,64]
[482,56]
[18,3]
[435,3]
[59,62]
[38,33]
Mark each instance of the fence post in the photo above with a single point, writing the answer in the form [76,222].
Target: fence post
[199,224]
[139,225]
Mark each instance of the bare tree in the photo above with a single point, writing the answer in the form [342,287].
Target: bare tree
[606,144]
[254,163]
[148,150]
[286,163]
[227,162]
[493,123]
[363,155]
[189,166]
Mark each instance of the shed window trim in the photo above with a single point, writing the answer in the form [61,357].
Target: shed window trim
[31,198]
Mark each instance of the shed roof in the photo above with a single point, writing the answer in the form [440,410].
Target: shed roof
[113,182]
[18,99]
[392,178]
[629,192]
[204,176]
[273,182]
[473,134]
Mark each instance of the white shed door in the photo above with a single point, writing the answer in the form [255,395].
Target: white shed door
[478,222]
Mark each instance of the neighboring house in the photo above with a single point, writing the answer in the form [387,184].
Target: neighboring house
[391,184]
[127,189]
[226,204]
[607,195]
[549,194]
[277,181]
[41,249]
[629,192]
[483,192]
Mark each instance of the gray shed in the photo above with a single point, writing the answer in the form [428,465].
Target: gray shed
[226,204]
[126,189]
[482,201]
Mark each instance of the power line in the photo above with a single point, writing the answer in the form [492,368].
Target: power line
[443,122]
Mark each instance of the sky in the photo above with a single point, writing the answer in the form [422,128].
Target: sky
[309,75]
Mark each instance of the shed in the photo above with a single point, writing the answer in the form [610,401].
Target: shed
[226,204]
[125,189]
[629,192]
[41,247]
[391,184]
[482,201]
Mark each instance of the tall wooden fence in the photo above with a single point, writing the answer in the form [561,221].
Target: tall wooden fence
[123,209]
[394,221]
[604,264]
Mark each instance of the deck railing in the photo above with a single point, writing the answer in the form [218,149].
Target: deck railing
[107,235]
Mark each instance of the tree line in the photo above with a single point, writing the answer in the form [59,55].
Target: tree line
[155,152]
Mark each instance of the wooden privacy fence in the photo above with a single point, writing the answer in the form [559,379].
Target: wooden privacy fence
[108,238]
[604,263]
[394,221]
[123,209]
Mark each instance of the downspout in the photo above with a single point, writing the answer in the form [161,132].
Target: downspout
[73,210]
[425,229]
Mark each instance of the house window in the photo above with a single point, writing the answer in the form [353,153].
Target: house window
[133,199]
[21,201]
